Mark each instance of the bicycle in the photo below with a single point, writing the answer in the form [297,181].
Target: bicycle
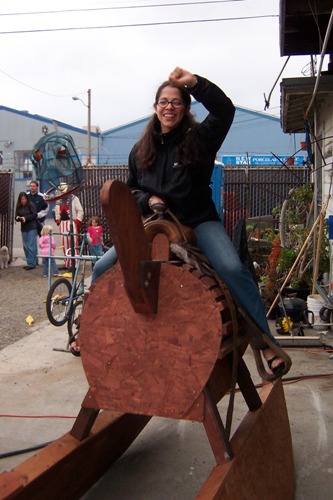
[64,301]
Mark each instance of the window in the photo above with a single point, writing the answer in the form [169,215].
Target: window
[23,164]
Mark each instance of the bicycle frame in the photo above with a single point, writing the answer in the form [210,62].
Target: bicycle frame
[77,268]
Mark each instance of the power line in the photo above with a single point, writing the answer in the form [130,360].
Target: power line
[137,25]
[30,87]
[178,4]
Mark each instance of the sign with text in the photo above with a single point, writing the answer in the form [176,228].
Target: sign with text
[260,160]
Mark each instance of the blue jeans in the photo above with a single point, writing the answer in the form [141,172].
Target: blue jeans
[214,242]
[29,239]
[46,266]
[103,264]
[95,251]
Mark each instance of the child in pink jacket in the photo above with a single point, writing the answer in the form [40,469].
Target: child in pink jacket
[47,246]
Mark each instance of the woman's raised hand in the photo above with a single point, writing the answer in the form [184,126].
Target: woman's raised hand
[182,78]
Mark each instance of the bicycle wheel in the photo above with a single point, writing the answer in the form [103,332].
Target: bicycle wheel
[73,324]
[57,302]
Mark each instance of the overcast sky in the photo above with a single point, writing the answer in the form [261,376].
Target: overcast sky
[129,47]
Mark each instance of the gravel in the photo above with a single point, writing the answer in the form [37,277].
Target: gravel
[22,294]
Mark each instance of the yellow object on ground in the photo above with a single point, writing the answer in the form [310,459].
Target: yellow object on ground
[30,320]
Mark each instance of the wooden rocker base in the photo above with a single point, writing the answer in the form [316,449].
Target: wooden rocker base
[262,466]
[68,467]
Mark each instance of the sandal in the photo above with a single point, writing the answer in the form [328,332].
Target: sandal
[74,345]
[278,368]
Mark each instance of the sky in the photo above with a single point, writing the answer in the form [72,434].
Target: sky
[124,49]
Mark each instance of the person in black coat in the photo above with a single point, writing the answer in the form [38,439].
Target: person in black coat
[172,164]
[26,214]
[38,200]
[42,208]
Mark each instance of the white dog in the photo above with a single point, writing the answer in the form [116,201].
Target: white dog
[4,257]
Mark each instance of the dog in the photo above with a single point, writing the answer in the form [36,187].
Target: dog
[4,257]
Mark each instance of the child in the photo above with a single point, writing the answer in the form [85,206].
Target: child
[95,238]
[47,248]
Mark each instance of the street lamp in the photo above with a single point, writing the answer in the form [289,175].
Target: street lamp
[89,122]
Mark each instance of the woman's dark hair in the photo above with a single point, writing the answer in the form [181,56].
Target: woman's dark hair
[19,202]
[145,151]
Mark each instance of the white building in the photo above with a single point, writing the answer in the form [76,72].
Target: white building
[20,130]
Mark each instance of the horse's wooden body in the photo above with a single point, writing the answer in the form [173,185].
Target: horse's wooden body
[159,339]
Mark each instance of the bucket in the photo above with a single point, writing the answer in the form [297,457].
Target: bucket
[315,303]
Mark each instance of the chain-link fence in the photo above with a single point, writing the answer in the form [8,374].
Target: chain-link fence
[255,192]
[94,179]
[7,181]
[246,193]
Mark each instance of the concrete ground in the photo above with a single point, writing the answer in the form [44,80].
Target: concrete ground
[41,390]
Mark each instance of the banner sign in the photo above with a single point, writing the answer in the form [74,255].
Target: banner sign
[260,160]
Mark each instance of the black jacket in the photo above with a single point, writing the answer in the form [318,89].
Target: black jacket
[40,204]
[186,189]
[30,213]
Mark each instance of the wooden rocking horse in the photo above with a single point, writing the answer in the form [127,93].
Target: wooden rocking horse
[160,337]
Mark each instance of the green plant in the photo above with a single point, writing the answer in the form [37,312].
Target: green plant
[295,222]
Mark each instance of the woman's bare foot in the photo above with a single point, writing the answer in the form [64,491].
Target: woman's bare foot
[275,364]
[74,345]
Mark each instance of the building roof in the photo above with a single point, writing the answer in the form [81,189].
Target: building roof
[46,120]
[303,26]
[296,94]
[252,132]
[303,29]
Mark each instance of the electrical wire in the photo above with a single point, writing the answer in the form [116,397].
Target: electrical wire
[14,453]
[138,25]
[122,7]
[30,87]
[323,53]
[267,100]
[10,415]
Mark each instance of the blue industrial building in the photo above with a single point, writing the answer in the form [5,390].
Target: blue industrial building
[252,133]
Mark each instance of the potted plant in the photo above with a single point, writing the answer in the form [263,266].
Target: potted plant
[293,241]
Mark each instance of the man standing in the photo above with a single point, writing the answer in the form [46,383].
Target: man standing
[42,207]
[37,199]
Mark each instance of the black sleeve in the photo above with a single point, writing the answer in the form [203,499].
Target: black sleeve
[221,112]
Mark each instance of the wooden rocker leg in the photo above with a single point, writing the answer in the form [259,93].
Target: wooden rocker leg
[86,417]
[215,430]
[247,387]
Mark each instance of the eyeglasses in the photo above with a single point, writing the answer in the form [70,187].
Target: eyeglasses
[175,103]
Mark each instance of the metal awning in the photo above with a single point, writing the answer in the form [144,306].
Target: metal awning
[296,95]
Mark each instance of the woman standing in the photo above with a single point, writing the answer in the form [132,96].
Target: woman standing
[26,214]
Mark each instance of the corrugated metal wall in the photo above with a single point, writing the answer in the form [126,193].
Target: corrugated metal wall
[7,181]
